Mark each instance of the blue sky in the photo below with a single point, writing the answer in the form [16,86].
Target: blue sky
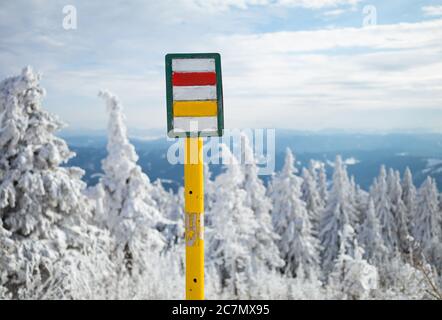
[300,64]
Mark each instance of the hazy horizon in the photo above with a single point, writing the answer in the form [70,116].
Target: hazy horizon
[133,131]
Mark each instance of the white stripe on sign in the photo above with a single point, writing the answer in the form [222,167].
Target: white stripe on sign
[195,124]
[194,93]
[193,65]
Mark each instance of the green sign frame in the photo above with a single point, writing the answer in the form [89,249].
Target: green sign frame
[169,94]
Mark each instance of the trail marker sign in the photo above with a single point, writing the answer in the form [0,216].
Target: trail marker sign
[194,110]
[194,95]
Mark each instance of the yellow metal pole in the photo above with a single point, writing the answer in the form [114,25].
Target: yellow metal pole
[194,217]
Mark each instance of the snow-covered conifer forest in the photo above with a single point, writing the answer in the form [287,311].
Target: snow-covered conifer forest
[299,237]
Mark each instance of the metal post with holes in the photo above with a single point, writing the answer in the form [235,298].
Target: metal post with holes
[194,217]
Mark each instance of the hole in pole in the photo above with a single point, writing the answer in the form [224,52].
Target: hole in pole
[190,192]
[194,280]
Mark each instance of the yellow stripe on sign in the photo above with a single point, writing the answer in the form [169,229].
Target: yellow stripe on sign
[195,108]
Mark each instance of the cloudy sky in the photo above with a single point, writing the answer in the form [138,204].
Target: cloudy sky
[300,64]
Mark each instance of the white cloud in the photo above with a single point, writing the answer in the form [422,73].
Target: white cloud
[334,13]
[351,161]
[302,79]
[312,78]
[219,5]
[318,4]
[397,36]
[432,11]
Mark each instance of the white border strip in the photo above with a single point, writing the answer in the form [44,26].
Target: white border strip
[193,65]
[194,93]
[195,124]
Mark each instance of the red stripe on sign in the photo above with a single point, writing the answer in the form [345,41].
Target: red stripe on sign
[194,78]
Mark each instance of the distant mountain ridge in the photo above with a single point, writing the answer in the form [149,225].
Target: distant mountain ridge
[365,153]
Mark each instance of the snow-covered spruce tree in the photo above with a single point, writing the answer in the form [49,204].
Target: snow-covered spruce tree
[403,281]
[231,239]
[427,223]
[208,187]
[165,276]
[399,210]
[313,169]
[381,199]
[265,252]
[370,238]
[209,195]
[338,214]
[311,197]
[42,208]
[322,183]
[317,172]
[409,198]
[352,277]
[171,207]
[353,188]
[361,204]
[297,244]
[131,215]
